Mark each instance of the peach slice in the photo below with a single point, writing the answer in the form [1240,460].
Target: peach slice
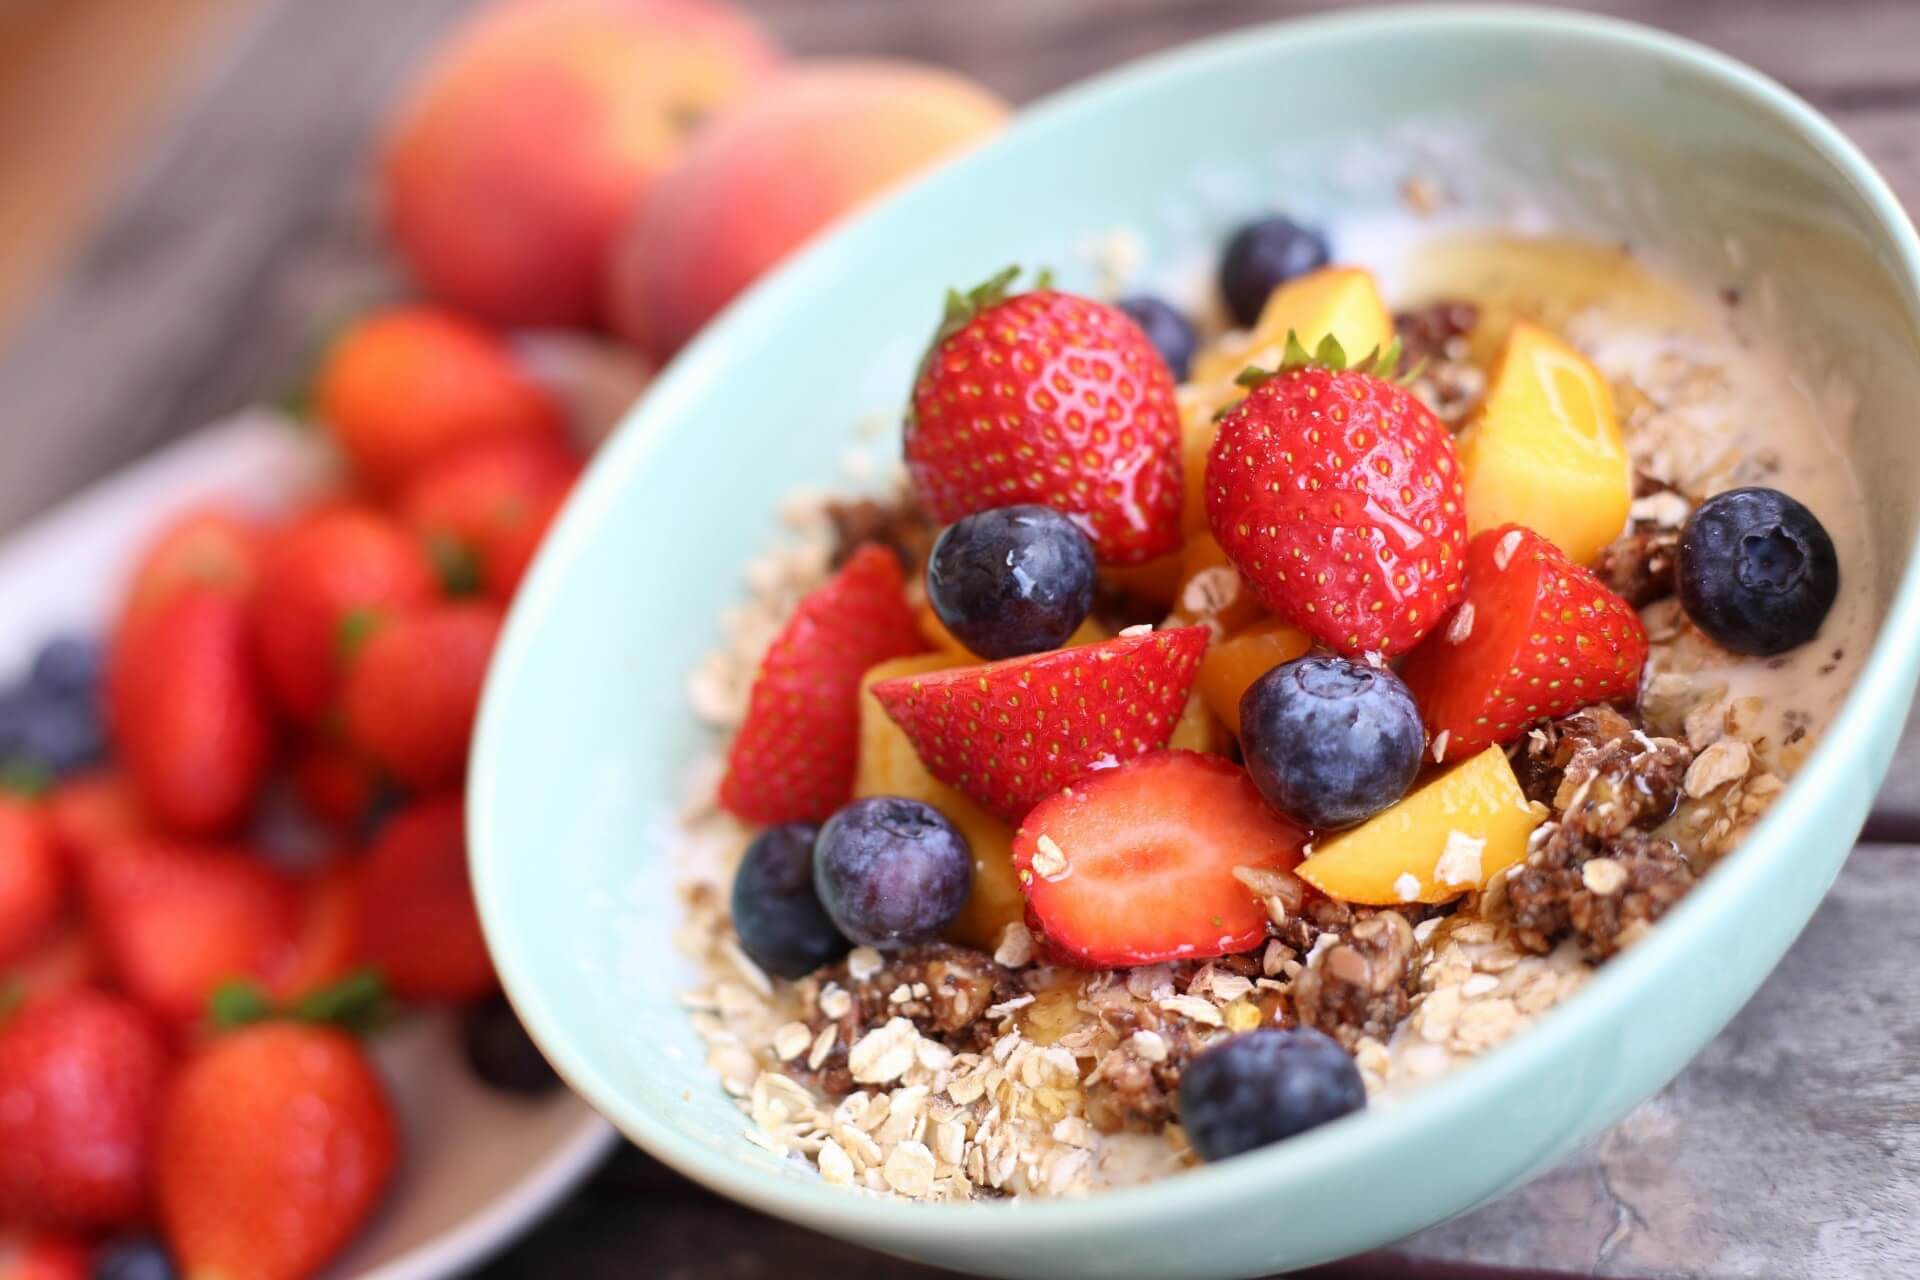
[1545,451]
[1230,665]
[1444,838]
[1341,301]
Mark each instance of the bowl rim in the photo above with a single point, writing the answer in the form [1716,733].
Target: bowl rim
[1883,682]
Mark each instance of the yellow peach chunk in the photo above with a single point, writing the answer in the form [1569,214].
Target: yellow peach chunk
[1230,665]
[1341,301]
[1444,838]
[1198,427]
[1197,730]
[1544,450]
[888,766]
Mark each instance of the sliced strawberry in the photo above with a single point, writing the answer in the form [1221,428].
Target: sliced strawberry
[1537,637]
[1011,733]
[1135,865]
[793,759]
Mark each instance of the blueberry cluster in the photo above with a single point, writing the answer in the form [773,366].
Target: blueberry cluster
[884,872]
[50,720]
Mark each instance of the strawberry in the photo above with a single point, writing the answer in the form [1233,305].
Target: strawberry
[1537,637]
[793,759]
[1337,496]
[45,1257]
[66,960]
[479,507]
[1010,733]
[326,944]
[336,785]
[206,549]
[1051,398]
[188,712]
[326,584]
[94,812]
[1135,864]
[81,1077]
[419,926]
[404,386]
[413,691]
[177,920]
[274,1145]
[32,883]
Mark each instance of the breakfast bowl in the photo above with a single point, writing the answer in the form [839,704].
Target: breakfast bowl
[1383,127]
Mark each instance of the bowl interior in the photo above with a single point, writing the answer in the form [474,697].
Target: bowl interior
[586,740]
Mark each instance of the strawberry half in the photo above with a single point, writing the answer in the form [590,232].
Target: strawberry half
[1537,637]
[1011,733]
[1135,865]
[793,759]
[1051,398]
[1337,496]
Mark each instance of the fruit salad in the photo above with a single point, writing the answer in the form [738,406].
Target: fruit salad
[1247,708]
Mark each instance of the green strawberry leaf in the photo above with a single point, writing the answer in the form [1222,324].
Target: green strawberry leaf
[22,776]
[355,630]
[13,994]
[357,1003]
[238,1002]
[455,564]
[1381,362]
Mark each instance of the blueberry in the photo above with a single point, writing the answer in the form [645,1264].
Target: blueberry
[18,707]
[891,871]
[781,924]
[1012,581]
[1166,329]
[1758,572]
[67,665]
[1262,255]
[135,1258]
[64,735]
[1264,1086]
[501,1052]
[1330,742]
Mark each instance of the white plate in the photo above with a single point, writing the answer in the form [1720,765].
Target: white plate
[477,1167]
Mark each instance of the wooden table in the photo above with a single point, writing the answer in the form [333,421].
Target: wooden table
[1791,1148]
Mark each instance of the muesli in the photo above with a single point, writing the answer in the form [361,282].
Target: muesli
[1206,737]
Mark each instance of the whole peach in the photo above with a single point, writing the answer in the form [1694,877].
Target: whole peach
[535,132]
[816,142]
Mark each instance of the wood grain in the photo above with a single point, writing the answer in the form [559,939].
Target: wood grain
[1791,1148]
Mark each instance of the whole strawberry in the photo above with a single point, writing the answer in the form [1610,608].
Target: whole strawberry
[32,879]
[328,581]
[188,711]
[1050,398]
[477,508]
[274,1145]
[413,691]
[794,756]
[1537,637]
[209,548]
[81,1076]
[1337,496]
[1012,733]
[417,920]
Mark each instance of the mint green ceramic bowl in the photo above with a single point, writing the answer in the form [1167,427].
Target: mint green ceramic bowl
[585,733]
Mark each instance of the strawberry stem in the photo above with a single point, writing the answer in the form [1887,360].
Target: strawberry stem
[25,777]
[356,1003]
[1381,362]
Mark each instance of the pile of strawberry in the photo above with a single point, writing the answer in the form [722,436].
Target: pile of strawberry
[192,935]
[1336,496]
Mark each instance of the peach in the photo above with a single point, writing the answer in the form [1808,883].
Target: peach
[531,138]
[817,142]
